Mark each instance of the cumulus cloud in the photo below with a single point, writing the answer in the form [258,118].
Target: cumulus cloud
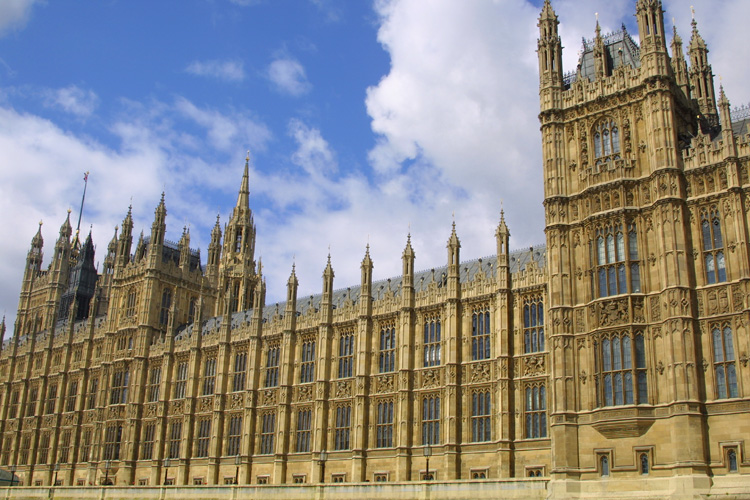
[313,153]
[72,99]
[229,71]
[14,14]
[288,76]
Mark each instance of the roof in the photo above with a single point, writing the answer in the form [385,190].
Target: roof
[621,50]
[519,260]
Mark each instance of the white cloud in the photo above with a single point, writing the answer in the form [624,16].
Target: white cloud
[288,76]
[72,99]
[313,152]
[14,14]
[230,71]
[226,132]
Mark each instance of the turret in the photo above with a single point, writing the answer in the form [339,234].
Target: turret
[679,65]
[365,295]
[407,271]
[549,50]
[727,135]
[126,240]
[34,257]
[82,284]
[326,303]
[702,78]
[110,259]
[290,313]
[454,261]
[601,64]
[158,230]
[184,247]
[502,236]
[239,240]
[654,56]
[62,246]
[214,253]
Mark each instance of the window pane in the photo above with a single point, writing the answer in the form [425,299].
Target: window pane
[602,282]
[618,389]
[721,383]
[640,352]
[635,278]
[605,142]
[610,249]
[720,267]
[597,145]
[717,234]
[718,352]
[616,355]
[732,380]
[626,353]
[620,246]
[642,388]
[628,388]
[728,344]
[600,251]
[606,362]
[615,140]
[612,280]
[633,245]
[706,231]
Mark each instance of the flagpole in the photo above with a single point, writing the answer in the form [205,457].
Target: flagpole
[83,198]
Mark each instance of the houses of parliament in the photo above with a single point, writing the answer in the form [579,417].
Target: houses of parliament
[613,360]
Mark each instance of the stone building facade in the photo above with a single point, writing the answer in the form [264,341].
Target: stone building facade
[616,354]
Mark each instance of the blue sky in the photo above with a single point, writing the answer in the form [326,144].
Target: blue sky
[364,120]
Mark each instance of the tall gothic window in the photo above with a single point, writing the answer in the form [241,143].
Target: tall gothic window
[166,303]
[130,304]
[616,257]
[713,247]
[536,411]
[267,430]
[623,370]
[31,403]
[175,435]
[307,366]
[480,334]
[387,362]
[431,420]
[51,398]
[342,428]
[181,380]
[346,354]
[304,424]
[240,369]
[481,409]
[724,364]
[384,426]
[606,142]
[209,376]
[533,325]
[234,435]
[70,404]
[112,440]
[119,393]
[153,384]
[272,366]
[93,389]
[147,447]
[204,437]
[432,342]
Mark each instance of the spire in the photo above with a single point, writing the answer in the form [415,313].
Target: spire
[62,246]
[549,49]
[37,241]
[184,246]
[654,56]
[158,230]
[243,199]
[702,78]
[328,280]
[600,54]
[126,239]
[453,246]
[679,65]
[66,230]
[109,260]
[729,142]
[290,313]
[366,269]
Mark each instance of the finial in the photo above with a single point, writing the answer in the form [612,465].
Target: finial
[692,12]
[69,210]
[247,158]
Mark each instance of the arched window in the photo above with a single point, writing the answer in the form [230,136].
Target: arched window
[166,303]
[533,325]
[606,142]
[713,246]
[732,460]
[724,363]
[604,465]
[613,264]
[480,334]
[622,365]
[644,463]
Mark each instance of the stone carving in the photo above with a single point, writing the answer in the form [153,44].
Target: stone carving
[655,308]
[175,407]
[49,421]
[384,383]
[583,376]
[115,412]
[660,367]
[481,372]
[638,316]
[268,397]
[150,410]
[343,389]
[738,298]
[204,404]
[612,312]
[430,378]
[534,365]
[304,393]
